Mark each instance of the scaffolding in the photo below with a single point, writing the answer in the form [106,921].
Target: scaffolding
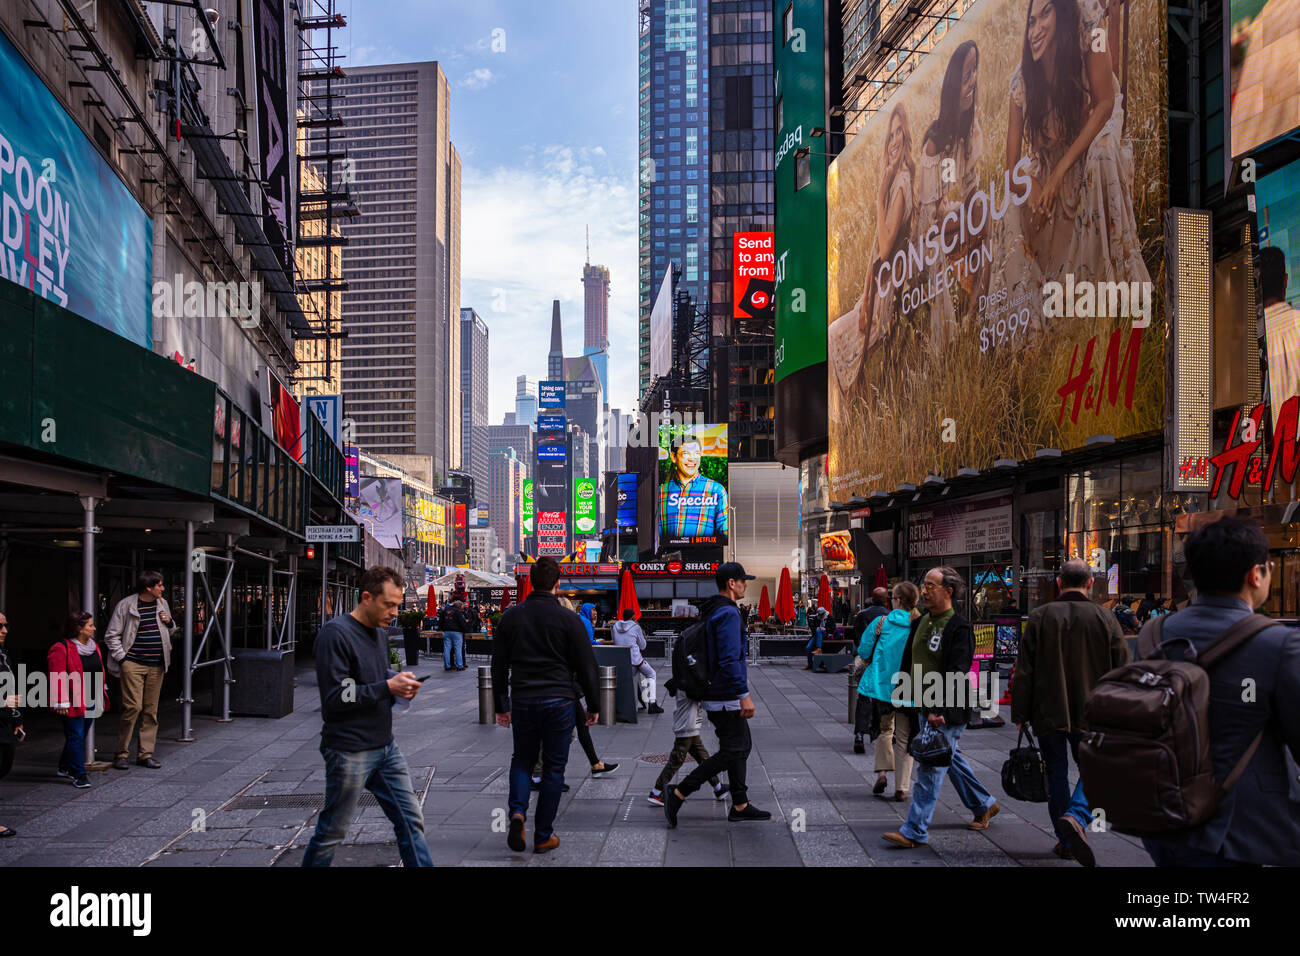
[330,202]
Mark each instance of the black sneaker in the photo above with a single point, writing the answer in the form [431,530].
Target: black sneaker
[654,708]
[82,782]
[750,812]
[672,803]
[721,793]
[608,768]
[858,746]
[515,838]
[64,774]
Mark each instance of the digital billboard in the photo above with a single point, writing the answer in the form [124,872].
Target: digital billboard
[551,423]
[550,394]
[837,551]
[526,507]
[352,469]
[552,534]
[378,509]
[584,506]
[995,248]
[661,329]
[626,500]
[552,502]
[752,271]
[70,230]
[692,485]
[1263,51]
[1277,204]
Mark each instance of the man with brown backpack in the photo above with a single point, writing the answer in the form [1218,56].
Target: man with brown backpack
[1188,744]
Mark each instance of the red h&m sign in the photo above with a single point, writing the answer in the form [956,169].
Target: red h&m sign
[1240,461]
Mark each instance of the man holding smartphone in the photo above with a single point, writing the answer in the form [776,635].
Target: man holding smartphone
[139,641]
[357,697]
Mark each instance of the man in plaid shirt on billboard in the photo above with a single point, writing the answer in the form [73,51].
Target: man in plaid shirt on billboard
[691,505]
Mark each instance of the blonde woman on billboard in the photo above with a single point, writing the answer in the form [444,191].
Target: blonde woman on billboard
[856,332]
[1066,105]
[951,151]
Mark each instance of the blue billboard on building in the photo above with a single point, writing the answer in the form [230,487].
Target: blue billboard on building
[70,230]
[550,394]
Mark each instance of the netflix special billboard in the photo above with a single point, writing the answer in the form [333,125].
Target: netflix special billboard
[995,247]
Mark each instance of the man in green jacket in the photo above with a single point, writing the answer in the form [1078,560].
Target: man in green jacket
[1067,645]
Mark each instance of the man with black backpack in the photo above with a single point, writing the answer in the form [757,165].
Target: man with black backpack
[1188,746]
[709,665]
[452,623]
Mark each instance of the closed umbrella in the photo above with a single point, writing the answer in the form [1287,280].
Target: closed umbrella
[824,593]
[431,604]
[525,587]
[505,597]
[882,579]
[764,605]
[627,595]
[784,598]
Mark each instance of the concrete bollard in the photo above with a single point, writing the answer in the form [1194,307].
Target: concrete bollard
[608,686]
[486,702]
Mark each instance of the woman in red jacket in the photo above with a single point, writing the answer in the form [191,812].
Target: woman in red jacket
[78,692]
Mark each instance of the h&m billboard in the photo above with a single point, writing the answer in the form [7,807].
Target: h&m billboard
[995,247]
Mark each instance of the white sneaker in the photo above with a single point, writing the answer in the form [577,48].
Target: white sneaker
[655,799]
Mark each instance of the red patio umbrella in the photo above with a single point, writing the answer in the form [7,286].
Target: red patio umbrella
[882,579]
[431,604]
[764,605]
[524,588]
[627,595]
[505,598]
[784,598]
[824,593]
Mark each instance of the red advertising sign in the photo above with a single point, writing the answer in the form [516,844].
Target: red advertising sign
[552,533]
[1239,461]
[753,275]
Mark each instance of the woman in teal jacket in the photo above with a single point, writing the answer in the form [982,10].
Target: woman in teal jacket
[882,645]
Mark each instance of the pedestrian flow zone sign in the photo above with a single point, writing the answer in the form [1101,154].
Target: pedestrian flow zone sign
[330,533]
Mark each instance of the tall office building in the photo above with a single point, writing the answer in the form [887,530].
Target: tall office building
[555,357]
[525,401]
[474,395]
[516,437]
[741,190]
[674,153]
[506,476]
[401,309]
[595,307]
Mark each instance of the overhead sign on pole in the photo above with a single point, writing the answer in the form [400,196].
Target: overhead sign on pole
[331,533]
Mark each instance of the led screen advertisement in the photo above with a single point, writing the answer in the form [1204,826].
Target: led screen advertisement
[551,503]
[1263,51]
[584,506]
[989,294]
[378,509]
[693,505]
[550,394]
[70,230]
[1277,205]
[752,273]
[526,507]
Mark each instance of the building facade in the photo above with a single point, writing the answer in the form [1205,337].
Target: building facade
[525,401]
[474,394]
[401,309]
[673,50]
[506,475]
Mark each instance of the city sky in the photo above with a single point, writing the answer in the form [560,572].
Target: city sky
[544,114]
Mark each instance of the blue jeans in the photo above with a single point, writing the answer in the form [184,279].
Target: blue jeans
[814,642]
[383,772]
[545,724]
[1056,747]
[73,758]
[925,791]
[453,640]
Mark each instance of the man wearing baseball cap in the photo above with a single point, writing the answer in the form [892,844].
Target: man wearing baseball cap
[727,701]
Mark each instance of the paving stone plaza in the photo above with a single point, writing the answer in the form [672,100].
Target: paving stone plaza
[246,793]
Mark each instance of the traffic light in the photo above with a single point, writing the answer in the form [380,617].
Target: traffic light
[311,553]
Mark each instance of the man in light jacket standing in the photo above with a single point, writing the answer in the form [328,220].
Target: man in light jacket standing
[139,641]
[627,633]
[1067,645]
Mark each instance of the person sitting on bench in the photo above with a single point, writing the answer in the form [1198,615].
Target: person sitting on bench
[628,633]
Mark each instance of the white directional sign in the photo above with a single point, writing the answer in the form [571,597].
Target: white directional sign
[330,533]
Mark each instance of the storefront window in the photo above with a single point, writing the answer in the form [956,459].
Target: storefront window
[1116,524]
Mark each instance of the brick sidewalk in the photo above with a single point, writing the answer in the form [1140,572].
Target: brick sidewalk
[256,786]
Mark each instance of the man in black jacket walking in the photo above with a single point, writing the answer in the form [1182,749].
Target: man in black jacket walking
[539,650]
[937,661]
[356,695]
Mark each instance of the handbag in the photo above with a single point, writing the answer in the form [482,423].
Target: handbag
[1024,775]
[929,747]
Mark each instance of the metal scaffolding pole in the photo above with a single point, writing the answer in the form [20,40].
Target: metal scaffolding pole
[229,678]
[187,675]
[88,531]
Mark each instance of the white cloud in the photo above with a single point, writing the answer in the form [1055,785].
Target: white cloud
[522,245]
[477,79]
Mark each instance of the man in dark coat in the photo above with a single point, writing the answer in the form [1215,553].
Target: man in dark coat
[1067,645]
